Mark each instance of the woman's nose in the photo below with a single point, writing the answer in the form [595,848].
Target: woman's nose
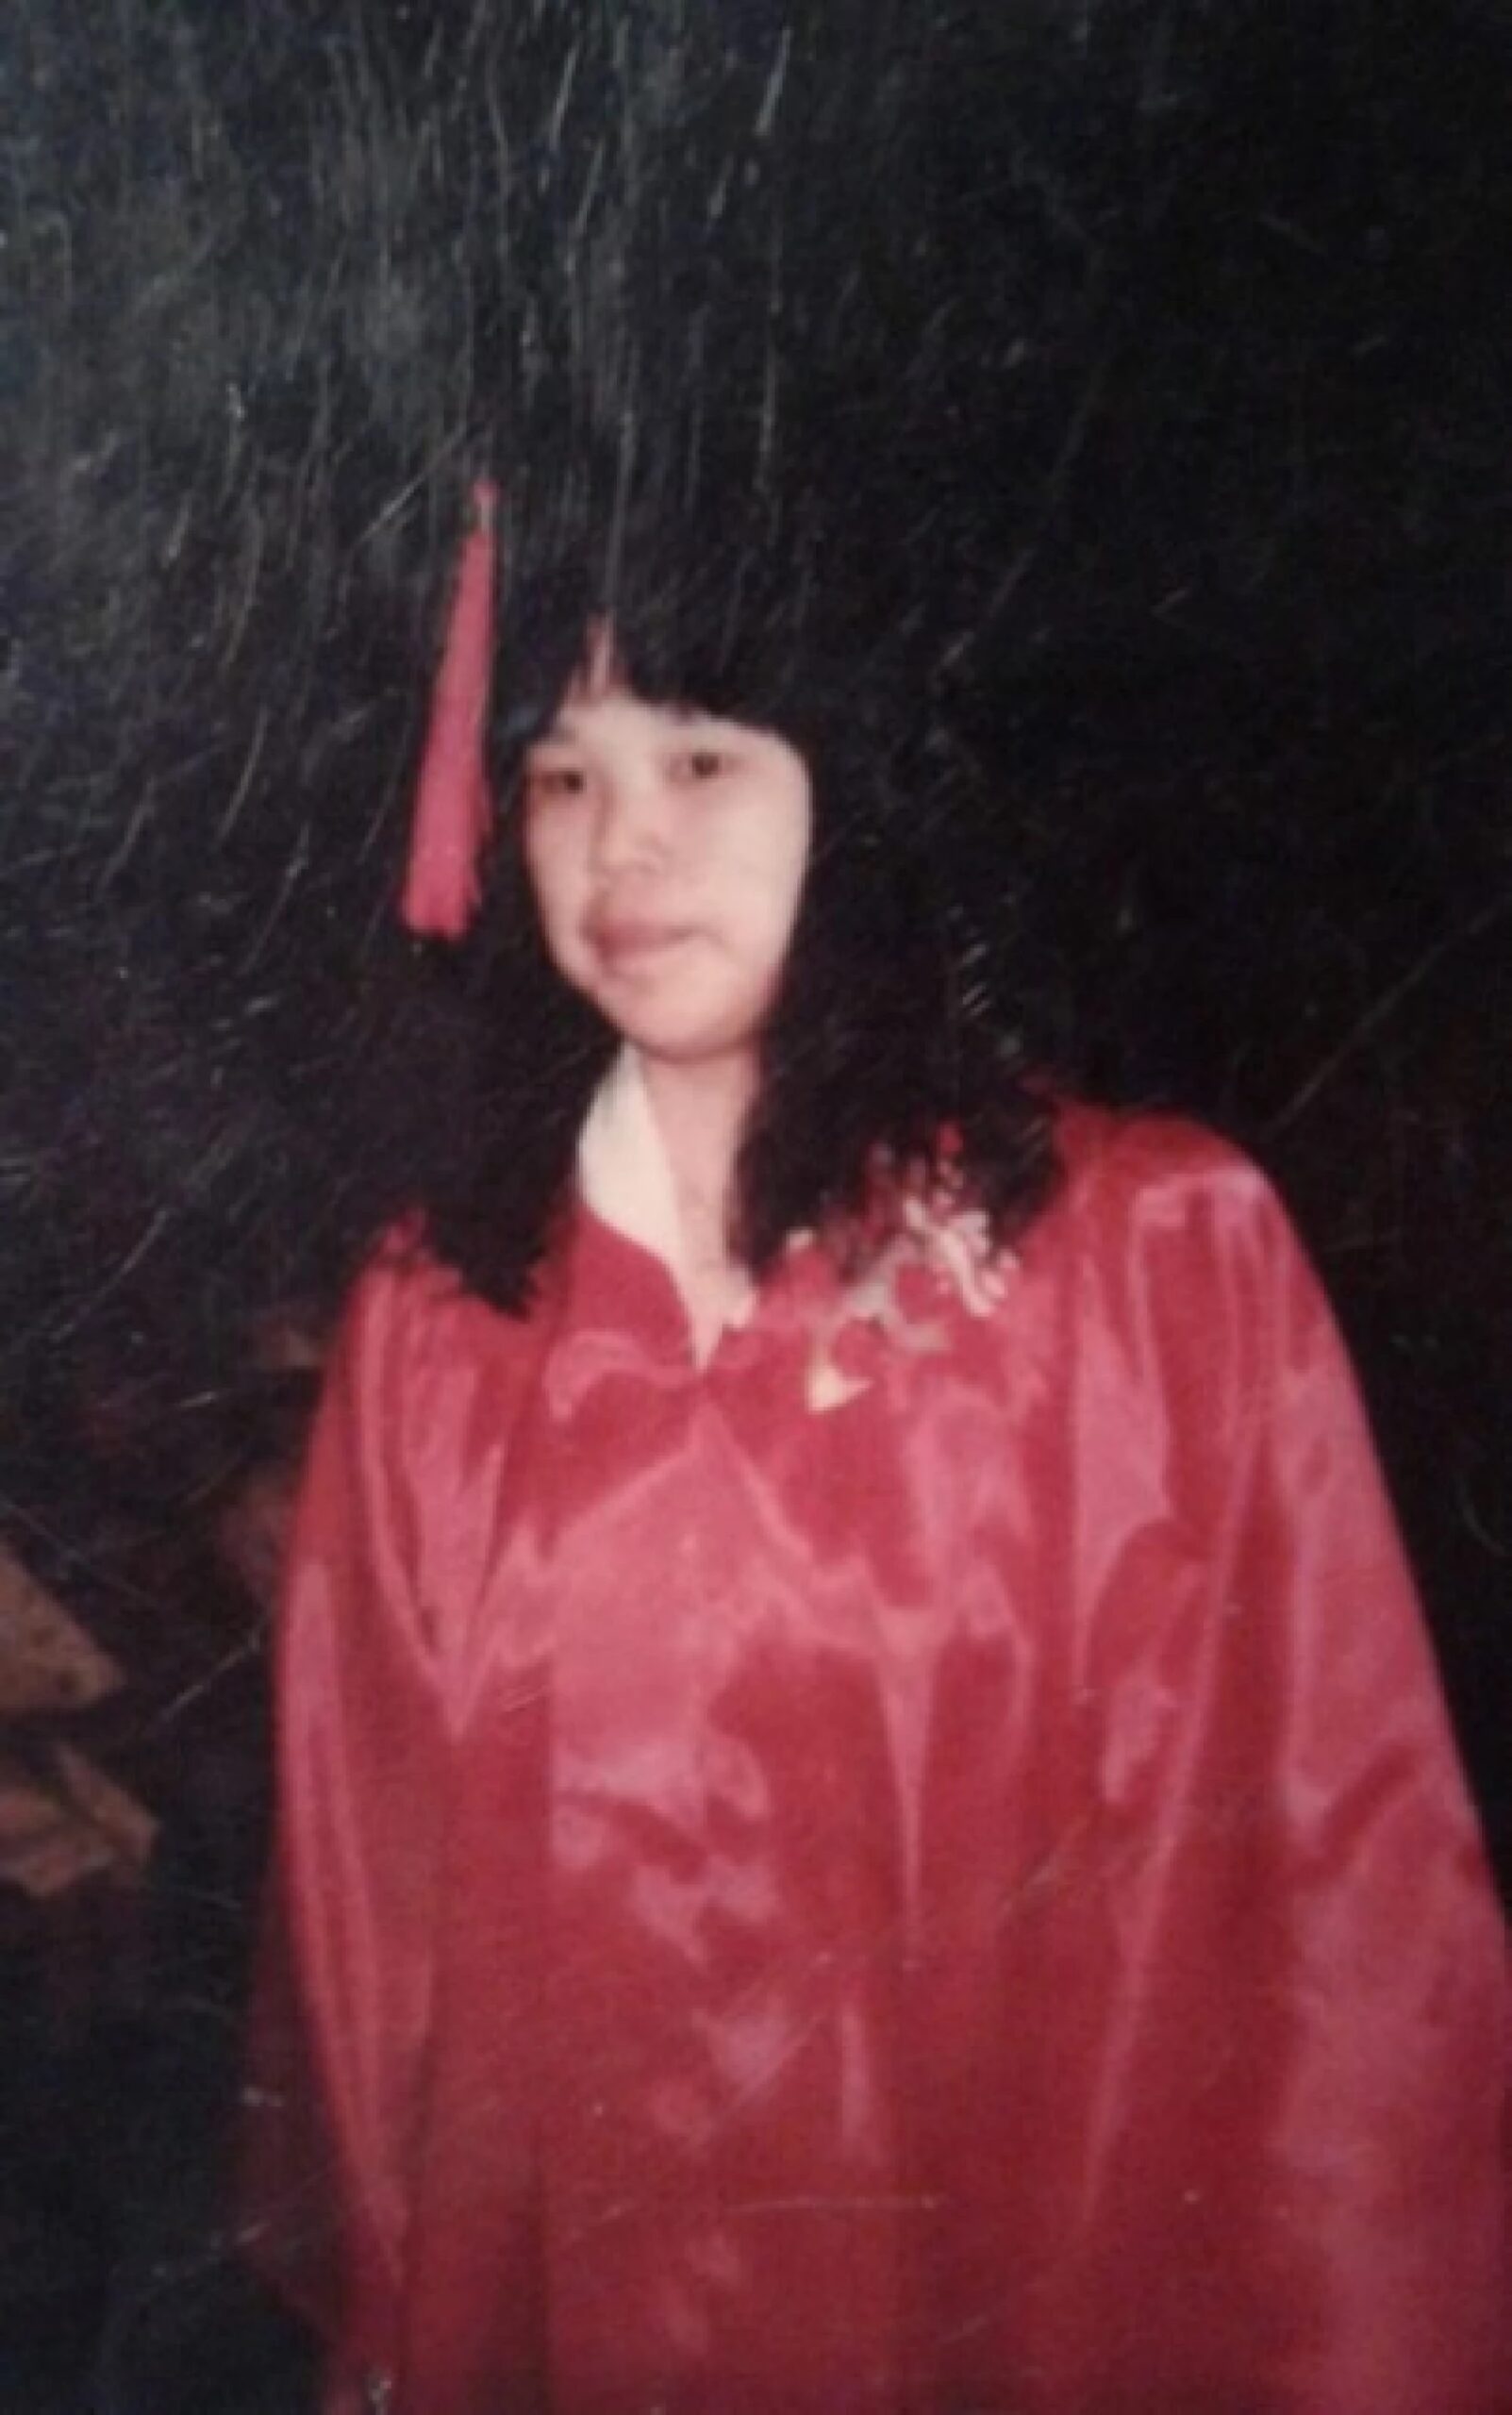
[631,823]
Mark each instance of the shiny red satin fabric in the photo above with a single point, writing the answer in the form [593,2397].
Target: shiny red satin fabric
[961,1900]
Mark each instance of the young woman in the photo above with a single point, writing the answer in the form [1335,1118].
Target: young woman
[865,1819]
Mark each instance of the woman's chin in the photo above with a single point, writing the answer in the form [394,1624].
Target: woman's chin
[686,1043]
[668,1022]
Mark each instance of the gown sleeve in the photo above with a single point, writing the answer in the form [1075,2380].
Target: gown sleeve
[342,1999]
[1371,1998]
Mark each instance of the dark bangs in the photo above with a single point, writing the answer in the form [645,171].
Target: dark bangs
[721,633]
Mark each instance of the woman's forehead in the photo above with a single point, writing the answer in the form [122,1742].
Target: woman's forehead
[616,706]
[601,672]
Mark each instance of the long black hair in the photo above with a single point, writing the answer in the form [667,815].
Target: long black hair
[881,1048]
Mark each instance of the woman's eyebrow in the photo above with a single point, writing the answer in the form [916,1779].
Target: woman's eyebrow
[564,731]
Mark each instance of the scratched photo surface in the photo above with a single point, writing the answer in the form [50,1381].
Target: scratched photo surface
[1132,377]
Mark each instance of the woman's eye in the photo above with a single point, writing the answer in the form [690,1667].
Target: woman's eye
[551,780]
[701,763]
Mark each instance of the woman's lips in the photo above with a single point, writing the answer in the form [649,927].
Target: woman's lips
[631,939]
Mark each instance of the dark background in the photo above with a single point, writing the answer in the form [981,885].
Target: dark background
[1147,367]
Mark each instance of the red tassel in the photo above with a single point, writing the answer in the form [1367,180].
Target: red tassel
[453,807]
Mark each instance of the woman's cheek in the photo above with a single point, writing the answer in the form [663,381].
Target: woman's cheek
[548,870]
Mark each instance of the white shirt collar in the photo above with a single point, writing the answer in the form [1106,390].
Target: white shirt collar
[625,1175]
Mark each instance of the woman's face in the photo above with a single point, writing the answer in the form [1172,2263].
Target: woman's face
[667,850]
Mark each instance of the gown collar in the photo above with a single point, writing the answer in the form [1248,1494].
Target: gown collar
[939,1263]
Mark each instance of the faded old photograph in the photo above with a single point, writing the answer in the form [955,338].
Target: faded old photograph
[755,1309]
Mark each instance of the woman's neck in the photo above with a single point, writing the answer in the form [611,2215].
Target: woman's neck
[700,1112]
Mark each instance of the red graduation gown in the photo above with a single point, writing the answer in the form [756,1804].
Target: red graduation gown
[958,1901]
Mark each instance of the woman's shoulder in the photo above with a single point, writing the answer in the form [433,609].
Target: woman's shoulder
[1170,1238]
[407,1302]
[1135,1176]
[1112,1154]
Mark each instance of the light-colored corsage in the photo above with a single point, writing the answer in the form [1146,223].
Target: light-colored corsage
[940,1248]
